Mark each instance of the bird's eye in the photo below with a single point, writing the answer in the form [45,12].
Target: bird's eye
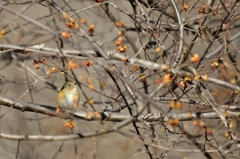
[69,84]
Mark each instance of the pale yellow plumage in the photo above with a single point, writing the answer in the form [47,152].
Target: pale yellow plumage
[68,97]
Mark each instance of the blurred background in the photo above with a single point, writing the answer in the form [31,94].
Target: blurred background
[144,29]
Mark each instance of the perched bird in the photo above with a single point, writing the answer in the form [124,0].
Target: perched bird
[68,97]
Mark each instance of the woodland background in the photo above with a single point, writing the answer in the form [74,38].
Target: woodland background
[157,78]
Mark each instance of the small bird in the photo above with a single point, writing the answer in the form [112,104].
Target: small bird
[68,97]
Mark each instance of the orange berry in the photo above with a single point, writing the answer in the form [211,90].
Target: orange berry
[120,33]
[223,65]
[118,42]
[119,24]
[2,31]
[65,15]
[143,77]
[179,105]
[187,79]
[159,81]
[225,114]
[68,25]
[72,65]
[176,122]
[124,60]
[51,70]
[204,77]
[69,124]
[102,84]
[43,61]
[72,20]
[82,20]
[80,77]
[36,67]
[226,134]
[96,114]
[122,48]
[167,78]
[158,49]
[202,10]
[195,123]
[182,85]
[214,64]
[195,58]
[91,87]
[135,68]
[208,131]
[35,62]
[201,124]
[86,63]
[173,122]
[88,114]
[165,67]
[112,68]
[170,121]
[188,115]
[77,26]
[215,93]
[89,80]
[90,101]
[185,7]
[172,104]
[197,77]
[65,35]
[91,27]
[120,38]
